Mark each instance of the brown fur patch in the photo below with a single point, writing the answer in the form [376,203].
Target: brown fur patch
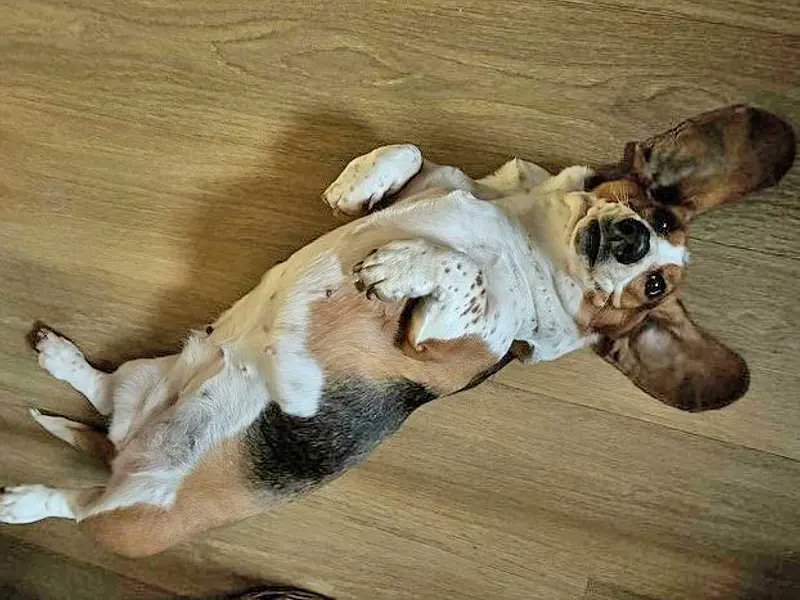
[215,493]
[94,442]
[715,157]
[355,337]
[606,319]
[672,359]
[711,159]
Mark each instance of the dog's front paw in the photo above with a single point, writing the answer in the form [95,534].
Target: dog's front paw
[371,177]
[397,271]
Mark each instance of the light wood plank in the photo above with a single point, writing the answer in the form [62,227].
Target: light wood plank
[750,14]
[599,590]
[29,573]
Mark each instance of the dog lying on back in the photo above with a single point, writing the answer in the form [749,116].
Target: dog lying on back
[440,282]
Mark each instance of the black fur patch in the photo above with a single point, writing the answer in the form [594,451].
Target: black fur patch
[593,181]
[291,454]
[667,194]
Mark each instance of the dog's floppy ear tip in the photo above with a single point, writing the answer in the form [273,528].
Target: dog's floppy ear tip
[774,140]
[727,386]
[678,363]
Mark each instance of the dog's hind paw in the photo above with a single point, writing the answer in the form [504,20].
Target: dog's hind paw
[29,503]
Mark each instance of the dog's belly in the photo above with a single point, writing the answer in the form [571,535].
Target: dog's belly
[305,325]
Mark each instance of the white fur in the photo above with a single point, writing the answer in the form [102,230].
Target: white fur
[514,175]
[62,359]
[458,298]
[29,503]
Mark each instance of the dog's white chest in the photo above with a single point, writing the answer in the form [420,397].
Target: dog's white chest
[552,332]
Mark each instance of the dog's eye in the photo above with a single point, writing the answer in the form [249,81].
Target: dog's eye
[655,286]
[664,222]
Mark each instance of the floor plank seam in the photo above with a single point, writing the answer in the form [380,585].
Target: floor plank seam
[727,443]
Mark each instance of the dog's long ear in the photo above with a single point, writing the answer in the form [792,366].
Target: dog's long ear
[710,159]
[675,361]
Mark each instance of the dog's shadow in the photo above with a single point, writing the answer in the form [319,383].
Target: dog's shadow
[235,230]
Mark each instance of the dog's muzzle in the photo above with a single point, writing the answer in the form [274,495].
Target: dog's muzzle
[627,240]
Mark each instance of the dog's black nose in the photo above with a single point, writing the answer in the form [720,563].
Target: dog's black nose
[630,240]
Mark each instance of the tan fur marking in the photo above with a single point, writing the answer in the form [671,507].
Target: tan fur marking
[95,443]
[352,336]
[598,315]
[215,493]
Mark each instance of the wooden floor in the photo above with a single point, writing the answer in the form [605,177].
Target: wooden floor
[156,158]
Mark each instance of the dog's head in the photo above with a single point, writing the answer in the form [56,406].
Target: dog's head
[628,234]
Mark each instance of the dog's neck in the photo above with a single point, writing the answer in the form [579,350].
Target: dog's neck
[555,296]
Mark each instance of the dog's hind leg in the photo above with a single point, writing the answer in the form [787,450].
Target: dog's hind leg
[62,359]
[78,435]
[30,503]
[216,492]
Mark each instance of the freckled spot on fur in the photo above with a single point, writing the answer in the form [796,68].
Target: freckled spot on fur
[209,330]
[269,350]
[472,287]
[328,293]
[458,266]
[483,292]
[447,269]
[272,296]
[475,320]
[474,309]
[479,278]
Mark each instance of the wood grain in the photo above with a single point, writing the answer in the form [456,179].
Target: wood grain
[156,158]
[31,573]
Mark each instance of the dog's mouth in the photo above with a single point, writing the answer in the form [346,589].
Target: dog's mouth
[590,241]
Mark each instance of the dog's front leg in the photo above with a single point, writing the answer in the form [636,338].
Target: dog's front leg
[369,179]
[456,297]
